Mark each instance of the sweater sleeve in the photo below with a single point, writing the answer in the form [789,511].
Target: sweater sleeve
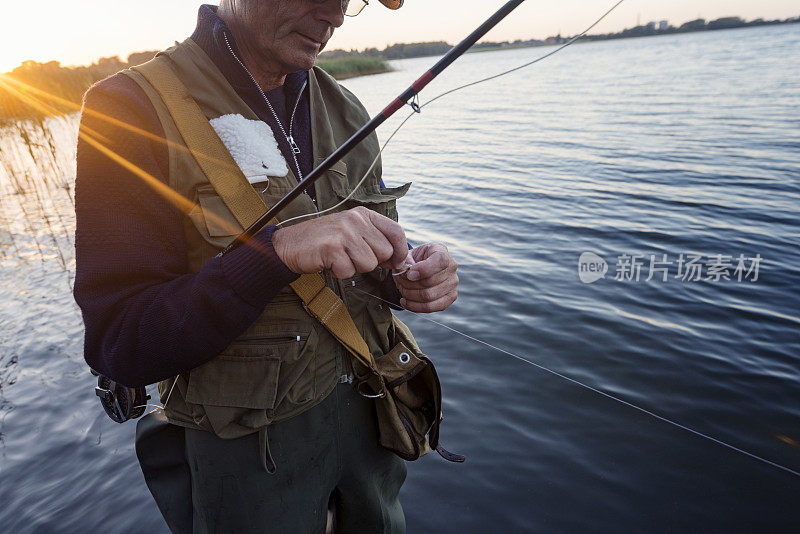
[147,318]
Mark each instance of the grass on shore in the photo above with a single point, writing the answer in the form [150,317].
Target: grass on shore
[342,68]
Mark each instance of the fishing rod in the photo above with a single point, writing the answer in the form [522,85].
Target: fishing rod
[375,122]
[123,403]
[138,404]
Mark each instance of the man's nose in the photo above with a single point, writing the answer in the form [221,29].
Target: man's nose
[331,12]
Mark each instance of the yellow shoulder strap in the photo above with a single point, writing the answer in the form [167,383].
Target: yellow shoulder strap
[244,202]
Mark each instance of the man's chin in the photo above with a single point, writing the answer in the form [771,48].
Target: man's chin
[306,62]
[303,58]
[298,61]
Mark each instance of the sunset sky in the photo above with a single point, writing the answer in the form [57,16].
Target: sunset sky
[79,32]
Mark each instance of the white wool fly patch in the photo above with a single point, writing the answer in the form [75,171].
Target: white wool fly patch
[252,145]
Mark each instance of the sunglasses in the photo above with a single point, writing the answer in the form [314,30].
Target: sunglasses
[350,8]
[353,7]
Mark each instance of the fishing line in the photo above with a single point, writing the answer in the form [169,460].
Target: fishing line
[417,108]
[160,406]
[594,389]
[537,60]
[359,184]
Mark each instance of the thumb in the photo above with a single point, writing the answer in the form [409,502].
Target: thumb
[407,264]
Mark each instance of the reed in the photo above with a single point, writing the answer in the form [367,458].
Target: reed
[31,231]
[21,181]
[6,222]
[46,214]
[46,161]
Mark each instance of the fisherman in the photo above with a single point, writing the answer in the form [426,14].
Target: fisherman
[272,429]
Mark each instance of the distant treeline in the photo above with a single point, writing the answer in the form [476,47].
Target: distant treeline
[438,48]
[43,89]
[36,90]
[395,51]
[66,85]
[430,48]
[696,25]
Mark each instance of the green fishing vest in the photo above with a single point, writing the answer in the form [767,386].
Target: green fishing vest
[286,362]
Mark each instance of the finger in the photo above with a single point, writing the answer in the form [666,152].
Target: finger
[395,235]
[408,262]
[429,307]
[350,237]
[431,281]
[430,294]
[342,266]
[437,262]
[379,244]
[423,251]
[361,255]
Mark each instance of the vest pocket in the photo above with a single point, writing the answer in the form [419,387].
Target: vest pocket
[217,224]
[212,218]
[383,201]
[258,372]
[236,381]
[298,377]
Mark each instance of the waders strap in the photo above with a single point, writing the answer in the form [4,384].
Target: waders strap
[244,202]
[266,455]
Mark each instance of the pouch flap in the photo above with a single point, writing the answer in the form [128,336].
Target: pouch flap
[399,365]
[340,167]
[220,222]
[365,196]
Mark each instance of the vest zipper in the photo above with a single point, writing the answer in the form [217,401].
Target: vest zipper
[295,148]
[275,340]
[334,284]
[289,137]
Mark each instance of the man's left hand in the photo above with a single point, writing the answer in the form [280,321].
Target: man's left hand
[431,284]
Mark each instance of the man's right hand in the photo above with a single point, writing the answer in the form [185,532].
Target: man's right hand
[344,243]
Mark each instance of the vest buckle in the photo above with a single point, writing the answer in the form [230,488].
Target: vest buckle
[346,379]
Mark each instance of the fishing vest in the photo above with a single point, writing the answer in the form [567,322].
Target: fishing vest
[286,362]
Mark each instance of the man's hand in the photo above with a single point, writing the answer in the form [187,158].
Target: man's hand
[431,284]
[351,241]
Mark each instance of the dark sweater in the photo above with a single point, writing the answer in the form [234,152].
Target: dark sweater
[147,317]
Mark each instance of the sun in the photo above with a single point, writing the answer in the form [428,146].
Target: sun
[8,61]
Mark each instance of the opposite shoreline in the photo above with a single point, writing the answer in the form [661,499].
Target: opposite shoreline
[35,90]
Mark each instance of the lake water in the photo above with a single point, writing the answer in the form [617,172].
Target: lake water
[686,146]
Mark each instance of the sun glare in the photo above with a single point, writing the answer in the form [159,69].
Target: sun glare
[7,61]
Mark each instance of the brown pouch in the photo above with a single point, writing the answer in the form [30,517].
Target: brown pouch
[408,401]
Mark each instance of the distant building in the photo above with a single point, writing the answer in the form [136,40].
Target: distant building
[663,25]
[651,26]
